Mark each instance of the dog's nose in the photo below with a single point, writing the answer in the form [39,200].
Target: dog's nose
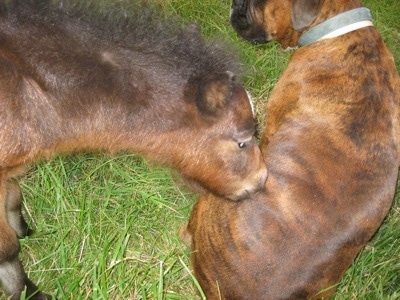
[258,40]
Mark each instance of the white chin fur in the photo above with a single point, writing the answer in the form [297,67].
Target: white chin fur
[251,103]
[290,48]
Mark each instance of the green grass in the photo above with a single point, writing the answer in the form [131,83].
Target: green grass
[106,228]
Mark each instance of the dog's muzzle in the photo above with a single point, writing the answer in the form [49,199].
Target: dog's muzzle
[238,15]
[244,24]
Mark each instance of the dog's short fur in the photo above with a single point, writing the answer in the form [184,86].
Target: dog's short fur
[74,79]
[331,146]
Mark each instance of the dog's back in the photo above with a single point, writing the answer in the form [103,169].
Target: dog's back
[331,145]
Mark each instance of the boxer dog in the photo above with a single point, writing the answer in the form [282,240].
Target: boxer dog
[331,146]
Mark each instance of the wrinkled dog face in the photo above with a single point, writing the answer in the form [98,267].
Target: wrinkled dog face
[247,18]
[261,21]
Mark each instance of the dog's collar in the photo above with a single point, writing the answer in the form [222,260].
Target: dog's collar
[338,25]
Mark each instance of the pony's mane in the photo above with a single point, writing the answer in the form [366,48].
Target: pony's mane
[137,26]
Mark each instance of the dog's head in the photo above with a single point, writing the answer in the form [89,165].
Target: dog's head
[261,21]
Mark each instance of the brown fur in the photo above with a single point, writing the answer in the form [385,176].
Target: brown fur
[331,145]
[72,80]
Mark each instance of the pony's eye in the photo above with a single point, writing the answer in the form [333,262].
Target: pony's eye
[242,145]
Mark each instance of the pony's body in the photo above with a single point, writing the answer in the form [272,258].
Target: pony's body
[71,80]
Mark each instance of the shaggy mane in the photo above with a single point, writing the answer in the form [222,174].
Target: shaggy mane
[134,26]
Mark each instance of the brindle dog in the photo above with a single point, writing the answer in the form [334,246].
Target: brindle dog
[332,149]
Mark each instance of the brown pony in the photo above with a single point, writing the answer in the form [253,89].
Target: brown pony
[72,80]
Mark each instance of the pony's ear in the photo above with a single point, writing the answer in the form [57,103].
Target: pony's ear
[304,12]
[214,92]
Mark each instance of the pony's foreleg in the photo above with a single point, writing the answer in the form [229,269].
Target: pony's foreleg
[13,206]
[12,275]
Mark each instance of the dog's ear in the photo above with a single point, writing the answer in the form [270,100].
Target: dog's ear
[304,13]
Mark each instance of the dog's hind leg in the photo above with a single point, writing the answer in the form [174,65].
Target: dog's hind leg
[12,274]
[13,204]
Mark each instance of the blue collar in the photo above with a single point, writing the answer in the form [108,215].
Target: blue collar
[338,25]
